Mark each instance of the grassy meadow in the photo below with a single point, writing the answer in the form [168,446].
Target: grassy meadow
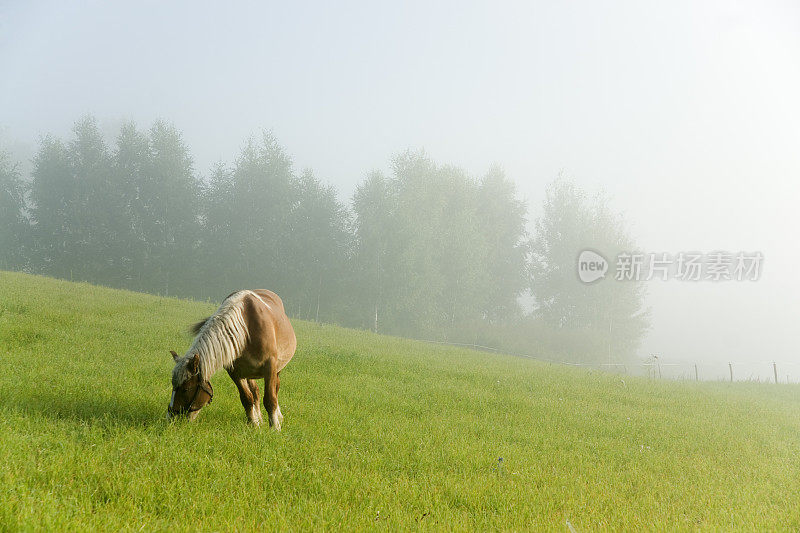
[379,433]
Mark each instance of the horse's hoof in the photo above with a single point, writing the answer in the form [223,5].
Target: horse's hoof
[275,422]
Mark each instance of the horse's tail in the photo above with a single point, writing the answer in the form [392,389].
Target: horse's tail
[195,328]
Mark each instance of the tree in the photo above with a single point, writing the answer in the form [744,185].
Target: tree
[131,162]
[219,249]
[169,213]
[75,207]
[503,223]
[427,251]
[263,193]
[612,311]
[100,216]
[319,245]
[439,253]
[52,194]
[12,222]
[374,206]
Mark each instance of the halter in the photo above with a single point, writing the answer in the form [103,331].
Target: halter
[200,386]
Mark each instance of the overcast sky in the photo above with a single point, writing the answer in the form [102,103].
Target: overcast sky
[686,112]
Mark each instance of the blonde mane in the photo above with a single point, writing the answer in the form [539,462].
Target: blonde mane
[219,342]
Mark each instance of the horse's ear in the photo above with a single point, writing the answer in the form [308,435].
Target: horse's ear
[194,364]
[174,355]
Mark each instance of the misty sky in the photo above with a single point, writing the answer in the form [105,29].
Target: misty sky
[687,113]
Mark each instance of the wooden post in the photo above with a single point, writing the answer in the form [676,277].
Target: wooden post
[696,373]
[319,289]
[730,367]
[775,370]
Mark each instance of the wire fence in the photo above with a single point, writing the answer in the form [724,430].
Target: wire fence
[654,367]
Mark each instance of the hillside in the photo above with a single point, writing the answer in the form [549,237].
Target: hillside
[379,433]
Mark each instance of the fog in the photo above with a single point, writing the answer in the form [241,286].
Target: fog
[686,114]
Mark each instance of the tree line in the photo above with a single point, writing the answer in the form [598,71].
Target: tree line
[426,250]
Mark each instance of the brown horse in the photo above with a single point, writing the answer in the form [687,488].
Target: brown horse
[250,336]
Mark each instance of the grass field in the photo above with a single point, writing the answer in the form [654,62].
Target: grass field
[380,433]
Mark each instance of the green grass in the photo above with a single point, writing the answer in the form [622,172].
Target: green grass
[380,433]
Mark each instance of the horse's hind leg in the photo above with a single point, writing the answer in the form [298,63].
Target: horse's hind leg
[249,398]
[277,389]
[271,395]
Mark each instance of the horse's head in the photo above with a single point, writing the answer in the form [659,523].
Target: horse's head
[190,392]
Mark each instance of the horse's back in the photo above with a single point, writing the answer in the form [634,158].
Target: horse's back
[274,314]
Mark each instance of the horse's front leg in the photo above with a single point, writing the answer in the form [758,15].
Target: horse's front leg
[248,394]
[256,399]
[271,394]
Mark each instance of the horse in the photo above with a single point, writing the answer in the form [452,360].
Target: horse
[251,337]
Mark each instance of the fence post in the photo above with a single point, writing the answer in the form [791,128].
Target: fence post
[775,370]
[696,374]
[730,367]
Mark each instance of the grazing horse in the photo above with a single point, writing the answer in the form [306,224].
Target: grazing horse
[250,336]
